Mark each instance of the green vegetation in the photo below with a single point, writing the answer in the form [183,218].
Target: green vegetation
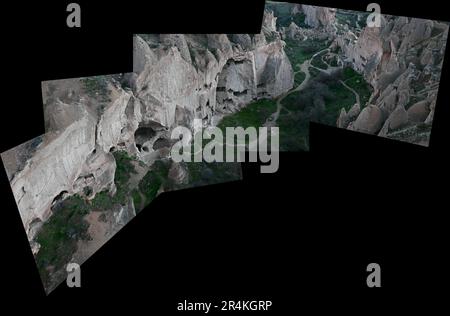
[290,102]
[320,101]
[124,168]
[137,199]
[333,61]
[299,51]
[294,131]
[97,87]
[59,235]
[282,11]
[87,191]
[102,201]
[215,172]
[152,182]
[284,16]
[255,114]
[318,62]
[299,20]
[350,18]
[340,97]
[299,78]
[313,72]
[356,81]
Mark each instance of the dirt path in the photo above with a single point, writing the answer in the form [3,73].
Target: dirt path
[303,68]
[330,70]
[358,99]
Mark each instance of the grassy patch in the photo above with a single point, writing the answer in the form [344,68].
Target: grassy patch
[299,51]
[356,81]
[96,87]
[203,173]
[320,101]
[255,114]
[154,180]
[282,11]
[284,16]
[102,201]
[299,20]
[290,102]
[299,78]
[318,62]
[294,131]
[313,72]
[124,168]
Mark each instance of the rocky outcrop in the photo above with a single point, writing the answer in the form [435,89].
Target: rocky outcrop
[226,73]
[318,16]
[345,118]
[402,60]
[176,78]
[369,120]
[54,168]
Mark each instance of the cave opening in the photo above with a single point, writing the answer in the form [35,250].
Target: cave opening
[142,135]
[59,197]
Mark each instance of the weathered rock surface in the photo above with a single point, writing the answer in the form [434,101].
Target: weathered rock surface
[226,73]
[318,16]
[418,112]
[176,78]
[402,60]
[369,120]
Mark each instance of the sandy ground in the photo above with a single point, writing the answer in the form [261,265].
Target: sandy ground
[100,233]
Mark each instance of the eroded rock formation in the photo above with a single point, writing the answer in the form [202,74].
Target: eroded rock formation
[402,60]
[176,78]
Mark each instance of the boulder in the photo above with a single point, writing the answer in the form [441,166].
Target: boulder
[370,120]
[418,112]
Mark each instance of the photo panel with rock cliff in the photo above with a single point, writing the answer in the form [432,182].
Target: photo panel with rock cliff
[134,124]
[308,63]
[377,80]
[61,188]
[105,156]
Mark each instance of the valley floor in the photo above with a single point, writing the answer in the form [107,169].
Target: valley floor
[321,90]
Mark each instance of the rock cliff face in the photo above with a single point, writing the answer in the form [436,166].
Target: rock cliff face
[176,78]
[318,16]
[225,73]
[401,60]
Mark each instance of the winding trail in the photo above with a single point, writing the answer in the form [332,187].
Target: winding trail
[358,99]
[304,67]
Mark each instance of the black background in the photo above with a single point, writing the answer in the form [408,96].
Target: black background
[301,237]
